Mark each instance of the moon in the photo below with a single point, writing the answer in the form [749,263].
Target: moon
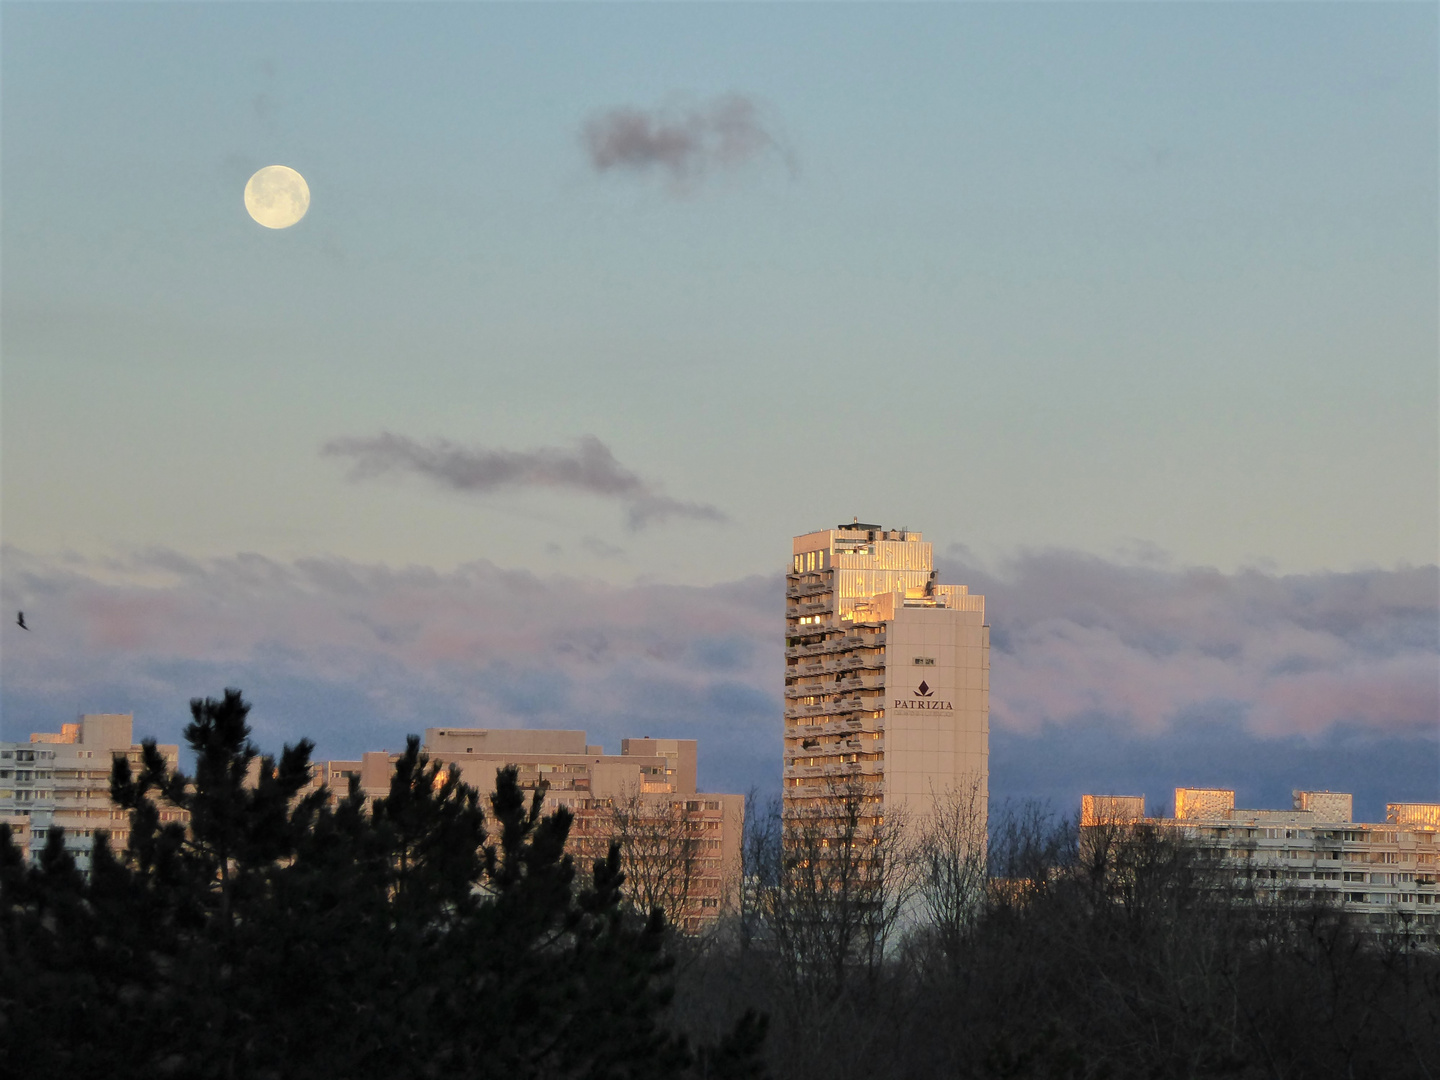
[277,196]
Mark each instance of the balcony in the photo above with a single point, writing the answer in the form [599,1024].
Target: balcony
[819,648]
[854,663]
[837,709]
[809,690]
[847,725]
[829,667]
[831,689]
[857,683]
[811,746]
[807,590]
[866,769]
[834,645]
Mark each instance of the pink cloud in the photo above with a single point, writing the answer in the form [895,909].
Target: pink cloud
[1075,639]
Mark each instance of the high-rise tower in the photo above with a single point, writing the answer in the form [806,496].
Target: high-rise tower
[887,674]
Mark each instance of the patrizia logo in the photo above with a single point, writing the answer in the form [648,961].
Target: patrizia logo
[926,700]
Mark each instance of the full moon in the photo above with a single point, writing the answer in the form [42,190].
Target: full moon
[277,196]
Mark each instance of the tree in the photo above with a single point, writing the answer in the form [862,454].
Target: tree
[841,881]
[661,851]
[949,860]
[280,933]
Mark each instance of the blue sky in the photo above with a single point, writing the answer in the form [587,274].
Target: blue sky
[1133,282]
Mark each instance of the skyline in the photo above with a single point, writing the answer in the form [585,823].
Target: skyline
[1131,309]
[1103,675]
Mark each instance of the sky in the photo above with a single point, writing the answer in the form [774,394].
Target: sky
[1131,309]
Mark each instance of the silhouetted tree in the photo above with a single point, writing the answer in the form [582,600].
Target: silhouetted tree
[270,932]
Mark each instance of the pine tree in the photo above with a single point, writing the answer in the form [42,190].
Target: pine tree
[278,934]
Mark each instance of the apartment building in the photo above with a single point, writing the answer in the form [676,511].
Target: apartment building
[887,675]
[63,779]
[682,846]
[1385,872]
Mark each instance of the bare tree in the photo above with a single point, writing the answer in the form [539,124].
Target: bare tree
[1028,846]
[760,862]
[660,851]
[949,862]
[839,886]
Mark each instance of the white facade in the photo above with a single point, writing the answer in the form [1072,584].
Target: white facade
[27,789]
[1384,872]
[887,676]
[63,779]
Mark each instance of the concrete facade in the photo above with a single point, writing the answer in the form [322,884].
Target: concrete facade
[887,674]
[63,779]
[648,790]
[1383,872]
[688,841]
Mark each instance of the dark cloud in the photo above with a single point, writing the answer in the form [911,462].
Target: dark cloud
[1059,763]
[588,467]
[686,144]
[1104,675]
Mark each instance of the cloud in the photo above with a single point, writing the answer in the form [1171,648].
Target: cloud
[1078,637]
[1060,763]
[356,655]
[687,144]
[1104,675]
[589,467]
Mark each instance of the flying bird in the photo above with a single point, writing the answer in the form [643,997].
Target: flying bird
[20,620]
